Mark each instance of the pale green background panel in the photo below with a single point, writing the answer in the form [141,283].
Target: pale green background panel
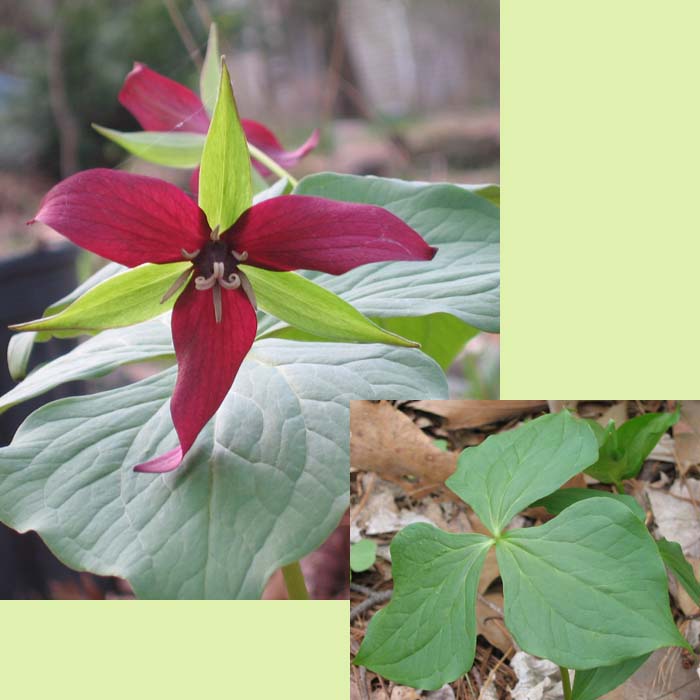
[175,650]
[601,204]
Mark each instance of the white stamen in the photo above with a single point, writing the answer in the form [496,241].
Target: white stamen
[234,281]
[240,257]
[215,234]
[201,283]
[174,288]
[189,256]
[217,302]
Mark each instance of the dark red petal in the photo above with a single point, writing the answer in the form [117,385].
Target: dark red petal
[312,233]
[165,463]
[259,135]
[131,219]
[208,355]
[161,104]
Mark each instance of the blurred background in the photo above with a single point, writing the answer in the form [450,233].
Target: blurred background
[399,88]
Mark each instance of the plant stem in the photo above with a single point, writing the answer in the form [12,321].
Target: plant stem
[294,580]
[271,164]
[566,682]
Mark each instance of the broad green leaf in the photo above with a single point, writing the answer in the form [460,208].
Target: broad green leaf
[512,469]
[594,683]
[680,567]
[259,489]
[586,589]
[462,279]
[225,187]
[19,350]
[426,636]
[209,76]
[441,336]
[313,309]
[122,300]
[625,449]
[177,149]
[558,501]
[96,357]
[363,555]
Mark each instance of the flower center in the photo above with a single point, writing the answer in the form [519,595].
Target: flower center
[216,266]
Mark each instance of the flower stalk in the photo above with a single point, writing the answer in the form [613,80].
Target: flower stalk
[294,580]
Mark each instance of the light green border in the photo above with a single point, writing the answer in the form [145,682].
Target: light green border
[601,238]
[173,649]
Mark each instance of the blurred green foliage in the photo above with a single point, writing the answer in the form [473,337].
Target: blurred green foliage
[100,41]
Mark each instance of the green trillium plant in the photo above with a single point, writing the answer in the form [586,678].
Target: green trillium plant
[268,307]
[587,590]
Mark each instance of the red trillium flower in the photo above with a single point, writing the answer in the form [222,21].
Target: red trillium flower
[160,104]
[133,219]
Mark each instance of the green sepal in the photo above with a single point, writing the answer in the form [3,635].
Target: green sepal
[225,186]
[122,300]
[312,309]
[176,149]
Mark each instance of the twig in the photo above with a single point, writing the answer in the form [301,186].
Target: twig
[203,12]
[489,604]
[368,484]
[374,599]
[494,670]
[361,589]
[184,32]
[63,116]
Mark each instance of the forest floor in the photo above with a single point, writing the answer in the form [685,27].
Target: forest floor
[401,454]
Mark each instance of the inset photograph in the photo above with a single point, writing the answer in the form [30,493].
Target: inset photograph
[525,550]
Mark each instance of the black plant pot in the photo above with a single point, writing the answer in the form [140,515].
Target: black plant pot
[28,284]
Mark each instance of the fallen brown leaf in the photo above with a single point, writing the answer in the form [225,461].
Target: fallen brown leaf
[473,414]
[386,441]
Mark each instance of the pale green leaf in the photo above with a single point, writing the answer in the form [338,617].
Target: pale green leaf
[177,149]
[512,469]
[225,187]
[209,76]
[462,279]
[264,485]
[426,636]
[19,350]
[313,309]
[96,357]
[586,589]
